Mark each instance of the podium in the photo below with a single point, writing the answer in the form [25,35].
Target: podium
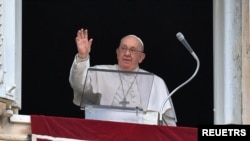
[99,93]
[66,128]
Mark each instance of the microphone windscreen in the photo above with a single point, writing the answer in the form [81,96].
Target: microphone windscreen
[180,36]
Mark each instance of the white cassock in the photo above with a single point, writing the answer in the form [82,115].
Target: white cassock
[111,89]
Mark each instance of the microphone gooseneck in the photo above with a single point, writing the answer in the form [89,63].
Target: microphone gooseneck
[185,43]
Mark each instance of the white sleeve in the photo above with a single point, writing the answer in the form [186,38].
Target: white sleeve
[77,78]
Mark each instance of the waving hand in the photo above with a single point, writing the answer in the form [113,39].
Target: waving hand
[83,43]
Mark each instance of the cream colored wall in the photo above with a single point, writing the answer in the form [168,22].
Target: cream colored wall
[14,127]
[231,62]
[245,62]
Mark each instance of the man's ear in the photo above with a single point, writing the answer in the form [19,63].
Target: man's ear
[142,57]
[117,52]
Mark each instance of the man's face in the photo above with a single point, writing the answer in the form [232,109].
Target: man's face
[129,53]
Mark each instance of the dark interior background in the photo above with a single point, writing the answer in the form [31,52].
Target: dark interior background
[48,49]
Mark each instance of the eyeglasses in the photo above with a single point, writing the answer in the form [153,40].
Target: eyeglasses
[131,50]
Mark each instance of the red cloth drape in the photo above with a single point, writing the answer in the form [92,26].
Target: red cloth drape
[86,129]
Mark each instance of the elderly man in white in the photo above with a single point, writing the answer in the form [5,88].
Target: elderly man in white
[121,90]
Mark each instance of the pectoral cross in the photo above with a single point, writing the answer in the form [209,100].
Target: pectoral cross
[124,102]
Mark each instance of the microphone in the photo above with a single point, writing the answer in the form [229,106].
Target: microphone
[182,39]
[188,47]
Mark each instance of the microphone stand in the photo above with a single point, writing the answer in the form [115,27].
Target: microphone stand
[167,98]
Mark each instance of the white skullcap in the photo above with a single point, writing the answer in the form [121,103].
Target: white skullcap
[139,39]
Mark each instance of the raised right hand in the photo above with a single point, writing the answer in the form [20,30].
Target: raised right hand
[83,43]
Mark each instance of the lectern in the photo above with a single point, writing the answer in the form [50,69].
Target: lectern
[90,102]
